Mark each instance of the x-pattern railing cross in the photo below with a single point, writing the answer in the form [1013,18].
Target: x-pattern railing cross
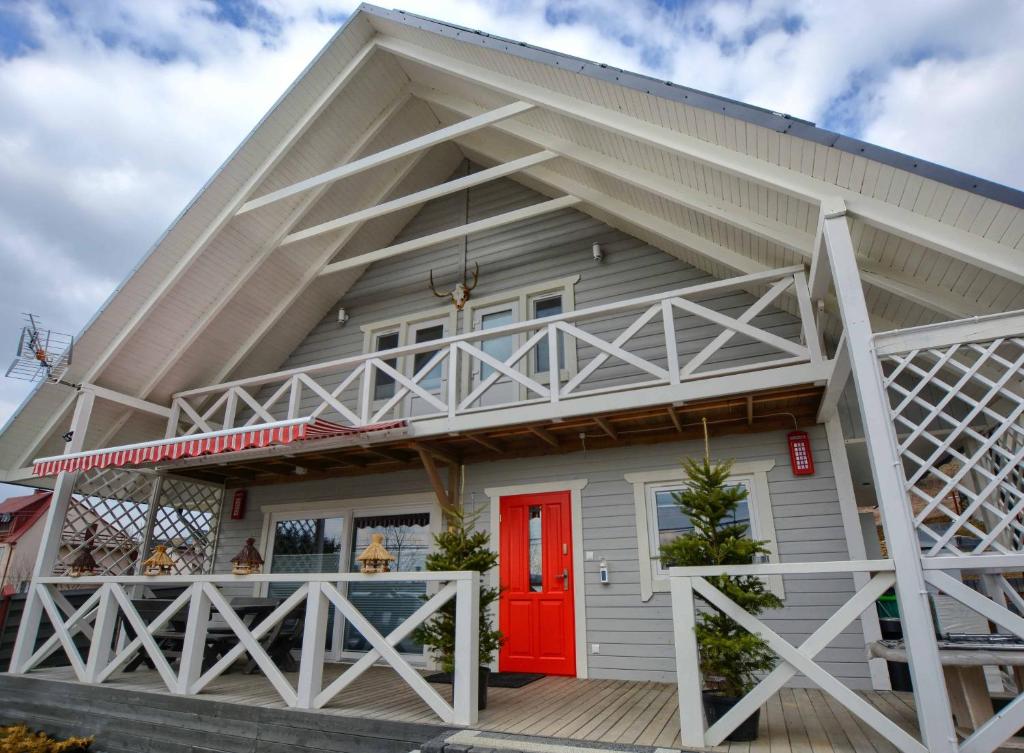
[794,658]
[96,619]
[346,388]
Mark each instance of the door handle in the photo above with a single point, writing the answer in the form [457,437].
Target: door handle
[565,578]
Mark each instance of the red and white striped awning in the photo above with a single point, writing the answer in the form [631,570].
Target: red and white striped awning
[210,443]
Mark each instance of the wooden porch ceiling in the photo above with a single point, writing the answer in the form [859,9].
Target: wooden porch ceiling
[767,410]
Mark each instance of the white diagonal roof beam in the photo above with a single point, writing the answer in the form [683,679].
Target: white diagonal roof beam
[421,197]
[902,285]
[677,193]
[268,248]
[308,279]
[959,244]
[479,226]
[389,155]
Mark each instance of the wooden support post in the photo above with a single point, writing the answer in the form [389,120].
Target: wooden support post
[467,649]
[314,638]
[545,435]
[50,548]
[932,700]
[691,703]
[435,480]
[190,666]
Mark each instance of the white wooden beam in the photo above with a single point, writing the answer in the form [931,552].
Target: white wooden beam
[959,244]
[932,701]
[731,214]
[372,132]
[904,286]
[420,197]
[389,155]
[489,223]
[127,400]
[836,382]
[821,274]
[287,301]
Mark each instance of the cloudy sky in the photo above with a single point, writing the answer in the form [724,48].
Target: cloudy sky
[114,112]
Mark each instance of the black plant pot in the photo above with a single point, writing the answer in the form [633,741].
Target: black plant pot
[716,706]
[485,675]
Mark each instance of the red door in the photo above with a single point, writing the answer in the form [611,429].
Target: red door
[536,614]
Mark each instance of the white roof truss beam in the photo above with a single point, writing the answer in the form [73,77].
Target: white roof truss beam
[310,277]
[421,197]
[367,138]
[390,154]
[479,226]
[959,244]
[732,214]
[892,282]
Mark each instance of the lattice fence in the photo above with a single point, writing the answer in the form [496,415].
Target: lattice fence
[110,513]
[957,411]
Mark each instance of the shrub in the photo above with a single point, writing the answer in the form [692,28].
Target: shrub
[20,739]
[730,656]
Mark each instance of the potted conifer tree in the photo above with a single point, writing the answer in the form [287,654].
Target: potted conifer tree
[461,547]
[730,657]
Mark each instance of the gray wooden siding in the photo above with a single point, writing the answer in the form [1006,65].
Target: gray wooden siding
[534,252]
[635,637]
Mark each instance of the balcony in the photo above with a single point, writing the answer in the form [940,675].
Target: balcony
[642,370]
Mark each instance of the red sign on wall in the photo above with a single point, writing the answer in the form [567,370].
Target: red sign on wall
[238,505]
[800,458]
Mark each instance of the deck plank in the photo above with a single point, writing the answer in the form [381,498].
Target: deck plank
[795,720]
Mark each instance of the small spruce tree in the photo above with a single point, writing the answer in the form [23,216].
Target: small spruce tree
[461,547]
[730,657]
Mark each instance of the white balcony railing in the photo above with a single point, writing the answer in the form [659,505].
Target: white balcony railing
[647,346]
[111,648]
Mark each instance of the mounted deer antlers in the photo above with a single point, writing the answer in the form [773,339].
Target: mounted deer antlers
[458,295]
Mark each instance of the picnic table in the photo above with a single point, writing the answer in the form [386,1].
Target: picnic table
[220,638]
[963,665]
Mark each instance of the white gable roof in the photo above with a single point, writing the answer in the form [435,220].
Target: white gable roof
[728,187]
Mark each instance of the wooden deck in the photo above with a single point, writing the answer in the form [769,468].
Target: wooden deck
[612,711]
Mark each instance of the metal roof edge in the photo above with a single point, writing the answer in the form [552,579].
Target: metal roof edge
[760,116]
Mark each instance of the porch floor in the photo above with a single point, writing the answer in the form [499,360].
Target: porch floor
[612,711]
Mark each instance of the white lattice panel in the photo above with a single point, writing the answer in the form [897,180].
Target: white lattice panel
[110,513]
[186,522]
[957,412]
[107,513]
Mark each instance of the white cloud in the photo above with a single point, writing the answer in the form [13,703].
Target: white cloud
[120,110]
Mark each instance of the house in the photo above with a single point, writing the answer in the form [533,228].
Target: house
[450,270]
[20,534]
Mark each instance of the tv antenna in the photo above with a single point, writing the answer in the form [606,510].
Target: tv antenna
[43,355]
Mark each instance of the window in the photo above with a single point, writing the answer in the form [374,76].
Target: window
[423,327]
[384,384]
[543,308]
[659,519]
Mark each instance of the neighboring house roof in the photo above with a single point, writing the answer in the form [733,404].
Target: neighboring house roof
[24,511]
[727,187]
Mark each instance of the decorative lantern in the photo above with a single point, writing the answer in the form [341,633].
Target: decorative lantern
[84,564]
[159,562]
[800,458]
[248,561]
[375,558]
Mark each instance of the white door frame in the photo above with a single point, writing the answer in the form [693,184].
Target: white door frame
[348,510]
[575,488]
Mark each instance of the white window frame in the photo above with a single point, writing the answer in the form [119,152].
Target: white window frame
[348,510]
[762,523]
[521,300]
[405,326]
